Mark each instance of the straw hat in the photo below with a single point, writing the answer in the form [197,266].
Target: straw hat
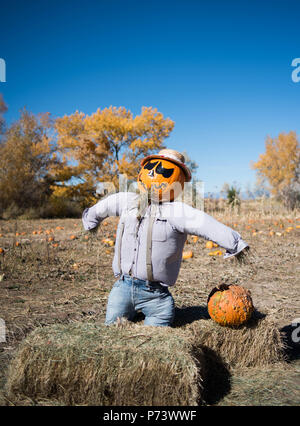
[173,156]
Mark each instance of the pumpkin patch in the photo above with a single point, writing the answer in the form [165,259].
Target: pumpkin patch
[71,275]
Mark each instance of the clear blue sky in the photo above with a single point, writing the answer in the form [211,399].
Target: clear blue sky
[220,69]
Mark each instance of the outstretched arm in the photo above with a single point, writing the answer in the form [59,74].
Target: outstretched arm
[112,205]
[193,221]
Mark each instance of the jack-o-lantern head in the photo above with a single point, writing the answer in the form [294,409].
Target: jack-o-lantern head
[163,175]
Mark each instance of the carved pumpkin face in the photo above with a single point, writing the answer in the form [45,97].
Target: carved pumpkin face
[162,178]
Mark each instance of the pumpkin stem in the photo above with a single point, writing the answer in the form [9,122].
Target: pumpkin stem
[220,287]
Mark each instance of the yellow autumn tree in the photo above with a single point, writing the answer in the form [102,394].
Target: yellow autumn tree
[279,166]
[98,147]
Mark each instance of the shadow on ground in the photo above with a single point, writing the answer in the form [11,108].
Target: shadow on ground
[183,316]
[189,314]
[217,376]
[217,382]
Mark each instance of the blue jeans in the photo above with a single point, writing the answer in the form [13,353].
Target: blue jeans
[129,295]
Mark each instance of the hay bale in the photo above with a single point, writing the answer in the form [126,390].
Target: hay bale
[255,344]
[93,364]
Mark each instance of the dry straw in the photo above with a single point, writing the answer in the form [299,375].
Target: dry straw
[90,364]
[131,364]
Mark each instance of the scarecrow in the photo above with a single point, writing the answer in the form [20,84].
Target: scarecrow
[151,234]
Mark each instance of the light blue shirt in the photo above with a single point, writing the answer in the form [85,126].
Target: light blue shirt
[173,222]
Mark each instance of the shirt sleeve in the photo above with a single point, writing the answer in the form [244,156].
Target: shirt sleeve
[196,222]
[113,205]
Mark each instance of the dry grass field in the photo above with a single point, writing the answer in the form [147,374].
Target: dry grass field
[52,272]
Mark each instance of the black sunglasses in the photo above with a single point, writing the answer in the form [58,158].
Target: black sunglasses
[159,169]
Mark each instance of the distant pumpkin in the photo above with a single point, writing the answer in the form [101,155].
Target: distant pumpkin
[108,242]
[230,305]
[215,253]
[187,254]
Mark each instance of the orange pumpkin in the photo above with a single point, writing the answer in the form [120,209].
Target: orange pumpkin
[163,179]
[215,253]
[187,254]
[108,242]
[230,305]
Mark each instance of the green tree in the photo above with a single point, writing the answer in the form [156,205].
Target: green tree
[232,193]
